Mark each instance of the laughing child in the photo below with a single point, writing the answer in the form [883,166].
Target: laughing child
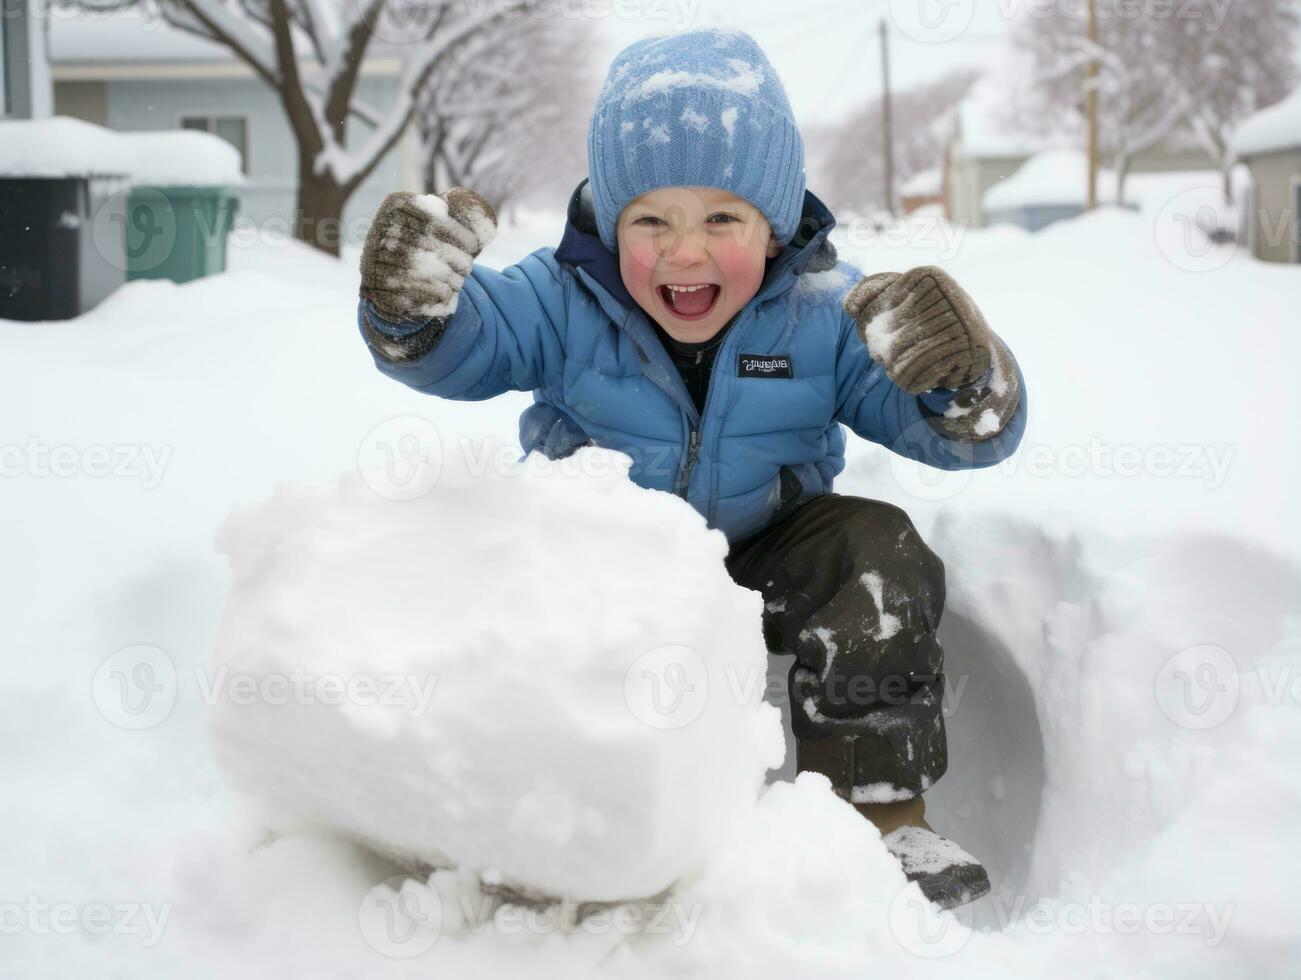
[695,316]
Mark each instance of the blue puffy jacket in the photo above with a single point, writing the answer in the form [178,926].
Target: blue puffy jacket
[790,370]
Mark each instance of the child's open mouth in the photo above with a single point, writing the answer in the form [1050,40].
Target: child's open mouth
[690,302]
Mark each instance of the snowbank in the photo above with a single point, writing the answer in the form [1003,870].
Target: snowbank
[1277,127]
[1047,178]
[1133,791]
[551,679]
[65,147]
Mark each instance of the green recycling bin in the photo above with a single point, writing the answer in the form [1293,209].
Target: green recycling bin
[178,233]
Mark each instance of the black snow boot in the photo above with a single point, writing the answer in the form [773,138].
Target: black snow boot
[947,875]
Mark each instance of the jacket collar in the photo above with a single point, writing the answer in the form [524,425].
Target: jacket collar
[581,247]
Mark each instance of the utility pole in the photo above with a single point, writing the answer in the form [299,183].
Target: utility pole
[887,129]
[1091,107]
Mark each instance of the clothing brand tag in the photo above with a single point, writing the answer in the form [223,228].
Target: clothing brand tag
[764,366]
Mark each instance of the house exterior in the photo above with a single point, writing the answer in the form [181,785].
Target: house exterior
[130,72]
[24,73]
[980,151]
[1269,143]
[983,149]
[921,189]
[1048,187]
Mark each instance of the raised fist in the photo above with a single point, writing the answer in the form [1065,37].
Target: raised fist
[420,249]
[922,328]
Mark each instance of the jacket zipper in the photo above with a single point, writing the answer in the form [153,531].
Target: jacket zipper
[693,448]
[693,440]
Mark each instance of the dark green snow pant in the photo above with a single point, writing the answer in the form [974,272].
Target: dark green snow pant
[854,593]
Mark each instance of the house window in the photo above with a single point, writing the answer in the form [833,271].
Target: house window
[233,129]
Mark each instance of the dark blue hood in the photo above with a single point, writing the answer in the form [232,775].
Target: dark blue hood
[582,248]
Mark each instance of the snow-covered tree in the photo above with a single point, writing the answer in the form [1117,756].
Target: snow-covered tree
[311,53]
[510,124]
[1194,69]
[846,166]
[1245,65]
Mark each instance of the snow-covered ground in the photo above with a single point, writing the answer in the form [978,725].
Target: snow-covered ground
[1124,650]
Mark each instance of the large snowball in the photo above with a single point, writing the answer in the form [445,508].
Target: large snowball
[538,671]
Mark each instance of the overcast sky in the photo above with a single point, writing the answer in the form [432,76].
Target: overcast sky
[827,52]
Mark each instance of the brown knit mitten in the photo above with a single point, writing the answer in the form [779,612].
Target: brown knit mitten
[926,332]
[922,327]
[420,249]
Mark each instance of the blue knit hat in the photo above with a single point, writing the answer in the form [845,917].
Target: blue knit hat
[702,109]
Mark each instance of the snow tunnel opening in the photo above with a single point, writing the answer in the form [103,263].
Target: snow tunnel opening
[990,798]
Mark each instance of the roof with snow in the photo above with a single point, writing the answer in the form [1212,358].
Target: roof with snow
[127,35]
[66,147]
[984,130]
[924,182]
[1275,128]
[81,41]
[1052,177]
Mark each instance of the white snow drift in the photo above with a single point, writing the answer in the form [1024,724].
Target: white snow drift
[540,673]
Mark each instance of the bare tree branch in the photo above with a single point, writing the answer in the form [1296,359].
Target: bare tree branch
[226,28]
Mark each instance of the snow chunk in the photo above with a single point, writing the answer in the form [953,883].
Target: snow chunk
[921,851]
[745,80]
[65,147]
[879,793]
[694,120]
[987,423]
[728,119]
[880,335]
[564,657]
[888,623]
[834,280]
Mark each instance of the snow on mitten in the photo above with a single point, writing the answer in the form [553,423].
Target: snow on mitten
[419,250]
[922,327]
[927,333]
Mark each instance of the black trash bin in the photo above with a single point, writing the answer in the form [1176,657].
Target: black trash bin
[61,244]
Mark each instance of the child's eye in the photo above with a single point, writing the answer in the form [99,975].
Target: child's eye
[723,218]
[648,219]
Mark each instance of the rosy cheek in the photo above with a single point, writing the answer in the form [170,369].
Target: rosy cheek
[636,263]
[740,266]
